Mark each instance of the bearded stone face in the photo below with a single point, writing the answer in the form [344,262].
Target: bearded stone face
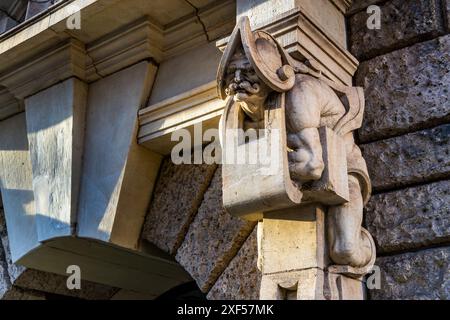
[245,86]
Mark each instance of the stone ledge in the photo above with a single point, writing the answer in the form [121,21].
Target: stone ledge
[402,23]
[423,275]
[406,90]
[414,158]
[410,218]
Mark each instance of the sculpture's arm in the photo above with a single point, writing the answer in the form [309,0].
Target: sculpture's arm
[303,108]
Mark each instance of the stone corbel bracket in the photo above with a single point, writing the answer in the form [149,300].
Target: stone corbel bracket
[70,195]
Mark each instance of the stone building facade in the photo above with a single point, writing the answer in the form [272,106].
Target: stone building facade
[169,219]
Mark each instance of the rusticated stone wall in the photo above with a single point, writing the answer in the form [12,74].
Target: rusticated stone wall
[405,138]
[186,219]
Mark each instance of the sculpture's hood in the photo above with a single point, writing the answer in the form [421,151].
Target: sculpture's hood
[268,58]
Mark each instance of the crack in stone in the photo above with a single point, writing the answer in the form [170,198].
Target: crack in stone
[199,19]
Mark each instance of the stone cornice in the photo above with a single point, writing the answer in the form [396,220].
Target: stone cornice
[218,19]
[139,41]
[342,5]
[8,104]
[54,65]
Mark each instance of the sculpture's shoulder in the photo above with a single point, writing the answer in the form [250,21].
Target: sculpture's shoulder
[312,85]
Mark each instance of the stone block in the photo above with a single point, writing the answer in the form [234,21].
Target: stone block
[406,90]
[177,196]
[410,218]
[213,239]
[241,279]
[409,159]
[402,23]
[423,275]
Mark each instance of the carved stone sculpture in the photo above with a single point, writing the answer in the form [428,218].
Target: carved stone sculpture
[320,162]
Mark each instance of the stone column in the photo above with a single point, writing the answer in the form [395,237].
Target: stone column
[292,254]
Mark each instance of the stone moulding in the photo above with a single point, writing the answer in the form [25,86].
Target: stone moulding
[9,105]
[139,41]
[158,121]
[304,38]
[218,19]
[342,5]
[58,64]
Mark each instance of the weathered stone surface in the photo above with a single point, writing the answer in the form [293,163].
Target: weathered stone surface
[402,23]
[25,278]
[4,277]
[410,218]
[423,275]
[177,196]
[448,14]
[13,270]
[358,5]
[241,279]
[213,239]
[406,90]
[16,293]
[413,158]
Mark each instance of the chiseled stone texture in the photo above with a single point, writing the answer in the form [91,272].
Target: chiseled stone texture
[410,218]
[413,158]
[406,90]
[31,279]
[241,280]
[16,293]
[4,276]
[402,23]
[448,14]
[358,5]
[423,275]
[178,194]
[213,239]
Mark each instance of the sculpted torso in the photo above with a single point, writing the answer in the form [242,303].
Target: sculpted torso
[309,105]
